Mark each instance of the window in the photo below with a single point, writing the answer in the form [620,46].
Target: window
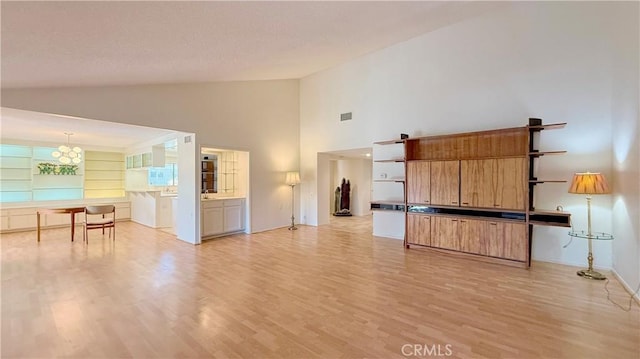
[164,176]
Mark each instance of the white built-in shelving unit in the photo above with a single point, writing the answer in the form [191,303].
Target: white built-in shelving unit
[388,189]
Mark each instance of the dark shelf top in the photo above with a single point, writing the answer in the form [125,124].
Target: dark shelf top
[552,224]
[397,203]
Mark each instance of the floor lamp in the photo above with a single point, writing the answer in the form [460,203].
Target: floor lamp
[293,178]
[589,184]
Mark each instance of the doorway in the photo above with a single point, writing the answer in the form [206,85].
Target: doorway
[352,165]
[224,192]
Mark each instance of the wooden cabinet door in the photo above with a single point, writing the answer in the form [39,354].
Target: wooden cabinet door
[444,233]
[515,239]
[477,183]
[511,183]
[445,183]
[508,240]
[419,229]
[473,236]
[418,189]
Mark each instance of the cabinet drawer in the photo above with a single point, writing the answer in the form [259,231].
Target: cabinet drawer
[22,221]
[22,211]
[232,202]
[5,223]
[211,204]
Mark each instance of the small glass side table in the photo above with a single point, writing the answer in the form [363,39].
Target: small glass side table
[590,273]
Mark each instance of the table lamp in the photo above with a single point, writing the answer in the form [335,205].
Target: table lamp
[589,184]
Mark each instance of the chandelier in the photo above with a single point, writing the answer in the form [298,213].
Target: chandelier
[67,154]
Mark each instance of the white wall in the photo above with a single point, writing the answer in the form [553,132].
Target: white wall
[550,60]
[260,117]
[626,153]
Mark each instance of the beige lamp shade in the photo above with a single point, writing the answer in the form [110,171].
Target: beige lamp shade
[589,183]
[293,178]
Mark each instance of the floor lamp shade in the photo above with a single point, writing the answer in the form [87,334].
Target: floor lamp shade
[293,178]
[589,183]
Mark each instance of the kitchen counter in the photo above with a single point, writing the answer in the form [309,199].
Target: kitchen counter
[219,198]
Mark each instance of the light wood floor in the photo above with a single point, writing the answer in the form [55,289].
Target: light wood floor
[325,292]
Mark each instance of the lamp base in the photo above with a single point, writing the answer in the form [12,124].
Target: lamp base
[591,274]
[292,228]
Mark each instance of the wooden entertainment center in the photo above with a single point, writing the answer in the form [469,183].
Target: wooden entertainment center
[472,194]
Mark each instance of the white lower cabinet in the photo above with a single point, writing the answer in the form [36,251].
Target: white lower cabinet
[233,219]
[212,218]
[19,219]
[222,216]
[24,219]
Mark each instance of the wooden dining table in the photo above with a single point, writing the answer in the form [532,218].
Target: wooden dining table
[60,210]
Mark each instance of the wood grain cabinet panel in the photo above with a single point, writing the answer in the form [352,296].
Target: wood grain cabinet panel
[419,229]
[511,183]
[494,183]
[445,233]
[474,236]
[508,240]
[445,183]
[418,182]
[477,185]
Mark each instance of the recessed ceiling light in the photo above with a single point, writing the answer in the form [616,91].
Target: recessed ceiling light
[367,154]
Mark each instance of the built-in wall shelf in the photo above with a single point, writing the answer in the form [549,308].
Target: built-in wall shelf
[550,218]
[450,199]
[388,188]
[390,160]
[544,153]
[54,175]
[552,126]
[390,142]
[388,206]
[536,181]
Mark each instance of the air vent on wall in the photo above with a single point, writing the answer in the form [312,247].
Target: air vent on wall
[187,139]
[346,116]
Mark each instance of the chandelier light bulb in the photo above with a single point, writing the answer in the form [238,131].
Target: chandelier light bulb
[67,154]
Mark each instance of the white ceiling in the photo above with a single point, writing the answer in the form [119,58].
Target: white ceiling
[41,127]
[92,43]
[87,43]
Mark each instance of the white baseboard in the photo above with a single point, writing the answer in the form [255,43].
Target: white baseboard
[571,264]
[627,287]
[388,235]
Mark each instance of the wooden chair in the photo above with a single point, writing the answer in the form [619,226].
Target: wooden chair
[106,219]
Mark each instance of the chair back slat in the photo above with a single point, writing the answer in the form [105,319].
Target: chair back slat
[100,209]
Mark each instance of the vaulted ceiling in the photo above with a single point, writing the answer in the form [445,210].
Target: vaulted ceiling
[96,43]
[102,43]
